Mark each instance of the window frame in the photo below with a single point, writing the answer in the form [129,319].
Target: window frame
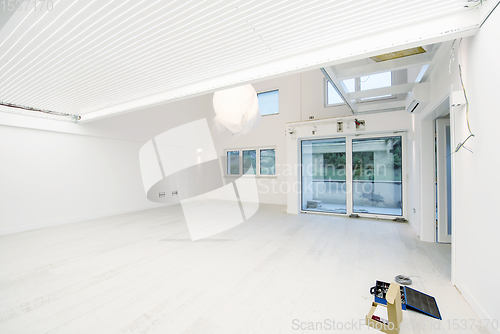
[257,162]
[260,166]
[243,160]
[239,163]
[268,91]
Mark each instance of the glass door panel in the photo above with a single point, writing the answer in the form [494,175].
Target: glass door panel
[376,176]
[324,175]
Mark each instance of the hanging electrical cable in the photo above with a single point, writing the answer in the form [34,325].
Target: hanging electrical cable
[452,59]
[460,145]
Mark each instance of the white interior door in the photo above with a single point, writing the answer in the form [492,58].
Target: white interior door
[443,193]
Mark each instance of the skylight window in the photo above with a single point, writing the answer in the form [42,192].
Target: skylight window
[374,81]
[350,84]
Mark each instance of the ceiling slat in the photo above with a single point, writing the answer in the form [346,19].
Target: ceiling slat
[84,56]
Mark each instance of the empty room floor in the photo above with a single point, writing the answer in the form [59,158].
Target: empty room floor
[275,273]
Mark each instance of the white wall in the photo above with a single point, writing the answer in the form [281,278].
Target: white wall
[55,172]
[476,225]
[475,228]
[49,178]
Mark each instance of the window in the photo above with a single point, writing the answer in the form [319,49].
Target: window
[250,162]
[368,82]
[260,162]
[269,102]
[233,162]
[267,162]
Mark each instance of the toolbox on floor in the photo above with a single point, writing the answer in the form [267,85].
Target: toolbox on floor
[380,292]
[392,324]
[410,298]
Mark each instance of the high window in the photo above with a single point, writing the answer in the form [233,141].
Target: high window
[269,102]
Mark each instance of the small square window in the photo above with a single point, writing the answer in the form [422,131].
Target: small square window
[269,102]
[233,162]
[268,162]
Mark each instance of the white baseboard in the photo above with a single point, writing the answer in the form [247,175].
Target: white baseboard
[18,229]
[480,312]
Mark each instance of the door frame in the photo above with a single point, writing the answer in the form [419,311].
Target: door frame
[442,235]
[349,194]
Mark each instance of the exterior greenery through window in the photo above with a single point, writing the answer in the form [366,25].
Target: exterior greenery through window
[233,162]
[250,162]
[365,165]
[267,162]
[373,179]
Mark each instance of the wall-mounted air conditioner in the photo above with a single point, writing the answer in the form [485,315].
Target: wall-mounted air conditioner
[418,97]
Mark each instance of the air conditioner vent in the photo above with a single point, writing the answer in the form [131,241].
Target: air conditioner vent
[418,98]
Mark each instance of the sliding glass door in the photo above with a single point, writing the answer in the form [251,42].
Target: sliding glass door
[361,175]
[376,176]
[324,175]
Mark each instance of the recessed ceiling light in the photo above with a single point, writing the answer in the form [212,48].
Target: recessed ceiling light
[398,54]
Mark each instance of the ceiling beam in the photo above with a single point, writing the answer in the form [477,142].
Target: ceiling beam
[339,86]
[443,48]
[397,89]
[383,106]
[388,65]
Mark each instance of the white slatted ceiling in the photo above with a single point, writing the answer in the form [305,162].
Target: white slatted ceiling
[87,55]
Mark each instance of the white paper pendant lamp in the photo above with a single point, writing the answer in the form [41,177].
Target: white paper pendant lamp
[237,109]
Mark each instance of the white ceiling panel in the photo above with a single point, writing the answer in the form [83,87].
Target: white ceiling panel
[96,58]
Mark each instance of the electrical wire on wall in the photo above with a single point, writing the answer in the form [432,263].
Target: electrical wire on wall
[460,145]
[477,3]
[452,58]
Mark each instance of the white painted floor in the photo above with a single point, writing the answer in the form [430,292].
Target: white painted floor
[140,273]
